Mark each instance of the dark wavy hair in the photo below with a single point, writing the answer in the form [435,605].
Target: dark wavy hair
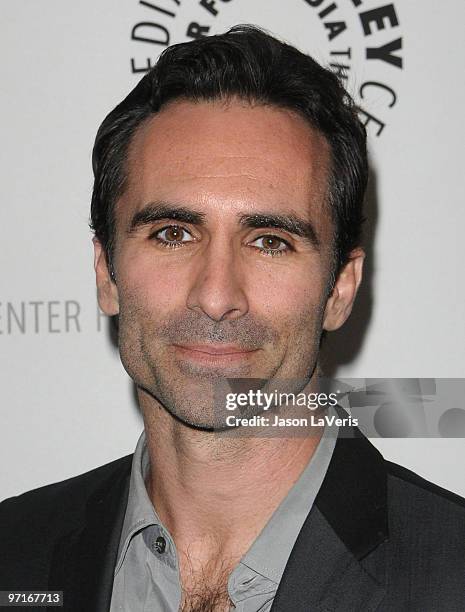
[248,63]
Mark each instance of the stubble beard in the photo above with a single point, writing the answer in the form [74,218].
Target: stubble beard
[193,394]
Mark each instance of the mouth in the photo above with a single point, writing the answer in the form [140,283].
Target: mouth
[214,354]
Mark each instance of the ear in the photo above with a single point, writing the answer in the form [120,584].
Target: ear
[341,300]
[107,292]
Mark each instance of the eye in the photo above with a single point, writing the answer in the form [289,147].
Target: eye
[271,245]
[172,235]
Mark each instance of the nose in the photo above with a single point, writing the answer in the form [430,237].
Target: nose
[217,288]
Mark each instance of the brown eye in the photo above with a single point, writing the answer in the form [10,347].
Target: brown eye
[173,234]
[272,245]
[271,242]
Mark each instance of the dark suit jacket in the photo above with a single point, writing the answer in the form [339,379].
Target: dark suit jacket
[378,538]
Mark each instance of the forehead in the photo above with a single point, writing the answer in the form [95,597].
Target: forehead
[227,156]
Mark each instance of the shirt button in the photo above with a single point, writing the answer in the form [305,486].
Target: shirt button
[160,544]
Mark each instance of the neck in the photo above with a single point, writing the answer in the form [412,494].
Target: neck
[217,491]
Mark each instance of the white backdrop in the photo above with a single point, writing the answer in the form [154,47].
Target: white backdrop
[66,403]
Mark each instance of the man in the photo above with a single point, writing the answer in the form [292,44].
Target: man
[227,208]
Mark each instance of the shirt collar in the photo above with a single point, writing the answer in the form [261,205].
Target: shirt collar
[140,512]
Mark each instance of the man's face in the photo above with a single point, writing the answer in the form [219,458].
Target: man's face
[223,251]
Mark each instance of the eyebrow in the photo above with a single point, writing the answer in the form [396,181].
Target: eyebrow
[155,211]
[291,223]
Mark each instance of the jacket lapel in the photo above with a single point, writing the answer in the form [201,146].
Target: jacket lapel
[84,558]
[323,575]
[346,523]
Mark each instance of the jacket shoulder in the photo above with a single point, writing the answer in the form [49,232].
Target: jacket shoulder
[426,525]
[412,488]
[46,509]
[31,524]
[423,558]
[423,515]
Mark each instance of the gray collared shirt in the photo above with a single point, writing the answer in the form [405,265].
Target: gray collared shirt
[147,571]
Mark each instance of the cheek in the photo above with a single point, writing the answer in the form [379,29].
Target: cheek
[288,293]
[154,287]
